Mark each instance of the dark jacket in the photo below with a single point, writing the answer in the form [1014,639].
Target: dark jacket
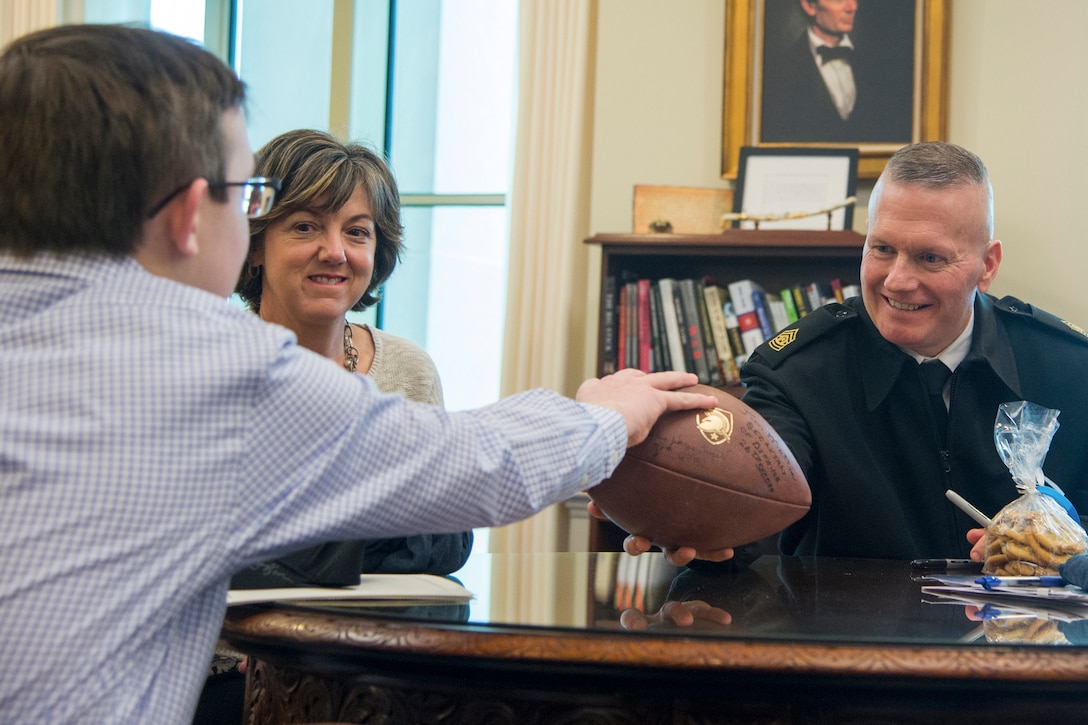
[797,107]
[341,563]
[852,408]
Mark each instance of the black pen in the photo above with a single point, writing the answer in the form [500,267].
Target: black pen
[945,564]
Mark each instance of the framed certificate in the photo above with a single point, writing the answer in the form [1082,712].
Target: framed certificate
[798,187]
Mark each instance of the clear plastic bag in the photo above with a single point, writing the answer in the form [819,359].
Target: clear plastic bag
[1033,535]
[1032,630]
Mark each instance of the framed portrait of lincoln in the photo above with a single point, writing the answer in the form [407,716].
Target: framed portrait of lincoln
[865,74]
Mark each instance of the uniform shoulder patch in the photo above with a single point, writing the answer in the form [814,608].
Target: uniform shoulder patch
[809,328]
[1018,307]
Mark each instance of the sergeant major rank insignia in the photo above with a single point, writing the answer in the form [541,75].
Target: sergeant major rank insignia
[1075,328]
[715,425]
[782,339]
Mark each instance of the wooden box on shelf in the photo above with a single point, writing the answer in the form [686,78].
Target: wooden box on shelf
[775,259]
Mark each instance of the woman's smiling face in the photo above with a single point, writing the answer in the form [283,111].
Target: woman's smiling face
[317,266]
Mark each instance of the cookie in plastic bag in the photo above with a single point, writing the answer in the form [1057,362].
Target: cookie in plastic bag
[1033,535]
[1032,630]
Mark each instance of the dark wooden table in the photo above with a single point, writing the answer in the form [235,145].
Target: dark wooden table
[810,641]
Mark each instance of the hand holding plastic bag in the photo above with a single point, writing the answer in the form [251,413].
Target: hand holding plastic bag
[1034,534]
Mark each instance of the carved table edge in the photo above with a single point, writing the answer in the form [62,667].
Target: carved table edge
[347,634]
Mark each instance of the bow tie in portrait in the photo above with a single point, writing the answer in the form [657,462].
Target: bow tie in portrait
[840,52]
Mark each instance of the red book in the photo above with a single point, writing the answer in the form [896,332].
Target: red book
[645,338]
[621,332]
[748,321]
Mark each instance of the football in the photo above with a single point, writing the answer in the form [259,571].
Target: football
[706,478]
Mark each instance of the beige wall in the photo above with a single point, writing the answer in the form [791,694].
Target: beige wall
[1018,98]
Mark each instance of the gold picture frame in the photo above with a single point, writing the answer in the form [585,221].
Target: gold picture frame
[742,98]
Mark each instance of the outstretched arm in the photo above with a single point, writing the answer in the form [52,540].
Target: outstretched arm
[641,397]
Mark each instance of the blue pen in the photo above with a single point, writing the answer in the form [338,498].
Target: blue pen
[991,582]
[989,612]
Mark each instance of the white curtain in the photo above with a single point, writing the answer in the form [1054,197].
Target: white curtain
[19,17]
[546,308]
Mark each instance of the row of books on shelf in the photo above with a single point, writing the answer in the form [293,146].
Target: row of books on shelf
[698,325]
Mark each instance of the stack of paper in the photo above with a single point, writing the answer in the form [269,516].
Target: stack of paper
[1066,603]
[372,590]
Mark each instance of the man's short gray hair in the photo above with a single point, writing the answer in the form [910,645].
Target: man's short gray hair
[938,165]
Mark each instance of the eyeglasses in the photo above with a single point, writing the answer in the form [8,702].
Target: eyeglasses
[258,195]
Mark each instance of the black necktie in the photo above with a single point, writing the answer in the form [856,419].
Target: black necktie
[836,52]
[935,374]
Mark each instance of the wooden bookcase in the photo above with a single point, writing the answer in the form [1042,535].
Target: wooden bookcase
[774,258]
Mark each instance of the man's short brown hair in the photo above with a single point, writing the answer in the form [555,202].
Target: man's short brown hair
[98,123]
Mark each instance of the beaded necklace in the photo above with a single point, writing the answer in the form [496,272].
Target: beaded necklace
[351,355]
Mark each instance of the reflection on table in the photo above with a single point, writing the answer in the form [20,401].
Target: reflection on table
[570,637]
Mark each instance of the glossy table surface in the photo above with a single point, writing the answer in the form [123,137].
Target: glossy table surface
[571,638]
[784,614]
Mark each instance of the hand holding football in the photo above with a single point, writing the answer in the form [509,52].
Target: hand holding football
[709,479]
